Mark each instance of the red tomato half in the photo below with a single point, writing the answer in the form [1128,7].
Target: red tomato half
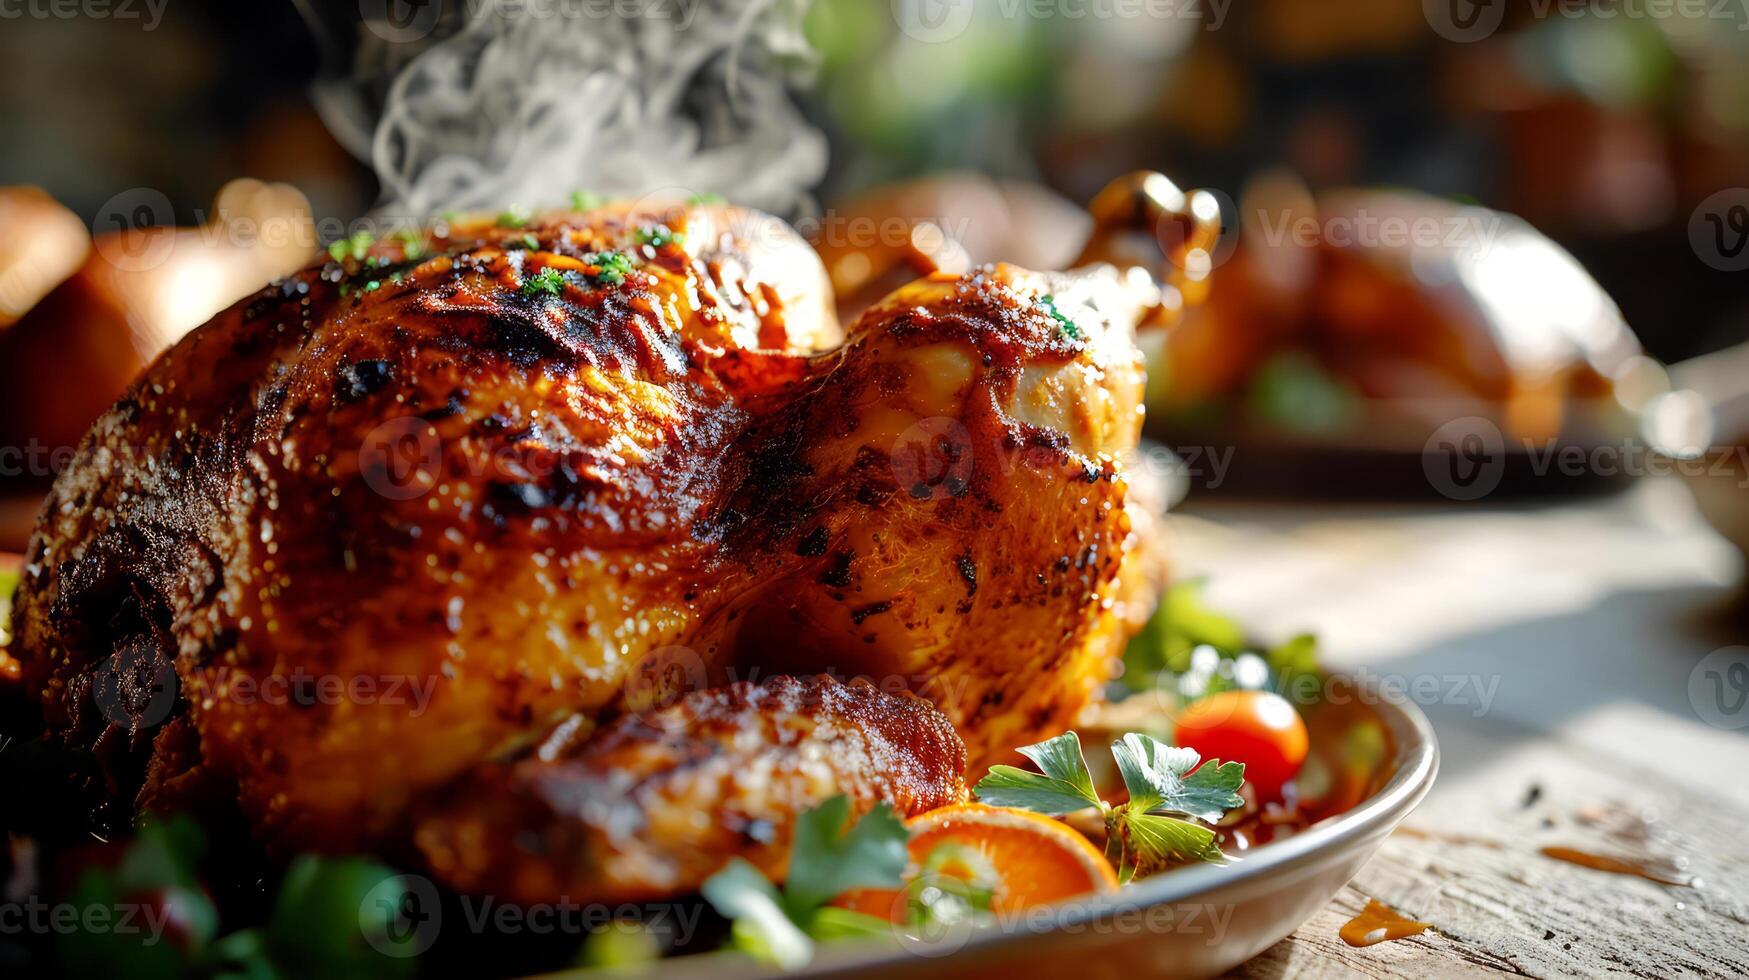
[1258,728]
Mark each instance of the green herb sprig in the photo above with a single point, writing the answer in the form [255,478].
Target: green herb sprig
[413,243]
[611,267]
[547,282]
[1194,651]
[659,236]
[1068,326]
[354,246]
[1169,791]
[829,856]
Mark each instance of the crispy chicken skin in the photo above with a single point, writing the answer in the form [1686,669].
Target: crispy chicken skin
[389,522]
[656,802]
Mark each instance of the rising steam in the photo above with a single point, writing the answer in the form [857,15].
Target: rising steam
[531,100]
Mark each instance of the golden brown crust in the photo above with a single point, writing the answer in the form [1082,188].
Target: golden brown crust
[494,507]
[658,801]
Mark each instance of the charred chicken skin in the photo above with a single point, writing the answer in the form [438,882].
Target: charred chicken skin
[463,538]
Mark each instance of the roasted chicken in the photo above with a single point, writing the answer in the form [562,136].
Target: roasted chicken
[464,538]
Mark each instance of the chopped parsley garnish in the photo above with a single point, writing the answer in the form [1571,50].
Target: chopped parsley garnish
[1049,305]
[512,217]
[830,855]
[585,201]
[708,197]
[412,243]
[548,282]
[527,242]
[1169,788]
[611,267]
[353,246]
[659,236]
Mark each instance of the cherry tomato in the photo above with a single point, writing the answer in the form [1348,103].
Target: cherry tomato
[1259,728]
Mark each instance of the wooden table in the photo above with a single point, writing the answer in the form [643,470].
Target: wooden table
[1564,638]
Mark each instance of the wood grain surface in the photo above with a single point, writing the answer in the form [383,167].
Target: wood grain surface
[1587,620]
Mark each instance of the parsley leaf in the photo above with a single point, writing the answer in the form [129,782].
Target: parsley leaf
[412,243]
[1295,664]
[1069,328]
[1194,651]
[354,246]
[585,201]
[1141,835]
[741,894]
[658,236]
[1008,786]
[550,282]
[1154,843]
[827,860]
[611,267]
[1065,786]
[1163,777]
[512,217]
[829,856]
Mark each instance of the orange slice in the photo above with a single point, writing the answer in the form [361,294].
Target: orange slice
[1026,858]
